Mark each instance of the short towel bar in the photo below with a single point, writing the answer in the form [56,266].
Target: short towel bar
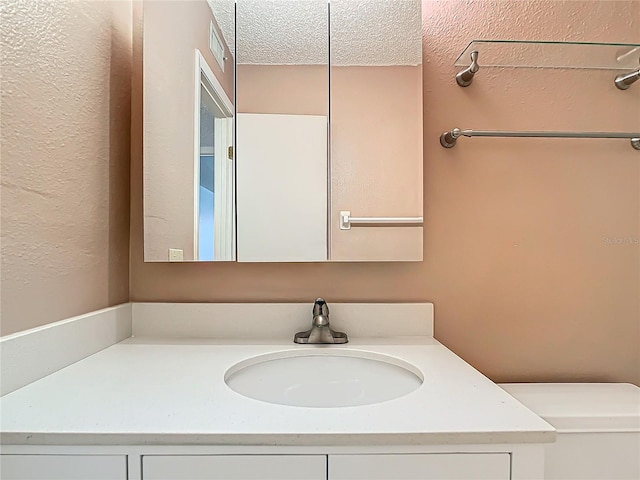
[347,221]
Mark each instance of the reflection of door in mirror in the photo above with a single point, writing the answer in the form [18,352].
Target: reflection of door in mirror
[189,81]
[214,173]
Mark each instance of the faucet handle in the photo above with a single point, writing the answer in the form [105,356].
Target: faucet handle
[320,307]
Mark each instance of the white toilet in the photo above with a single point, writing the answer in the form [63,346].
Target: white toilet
[598,427]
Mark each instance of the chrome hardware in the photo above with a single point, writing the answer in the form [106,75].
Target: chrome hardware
[465,77]
[449,139]
[320,331]
[624,80]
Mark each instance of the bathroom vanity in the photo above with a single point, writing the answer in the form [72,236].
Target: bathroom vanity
[157,405]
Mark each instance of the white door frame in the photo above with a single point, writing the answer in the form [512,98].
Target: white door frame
[224,174]
[224,214]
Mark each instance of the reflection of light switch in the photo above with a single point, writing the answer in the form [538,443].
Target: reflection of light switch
[175,255]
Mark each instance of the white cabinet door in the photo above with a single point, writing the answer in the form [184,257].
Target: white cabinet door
[234,467]
[441,466]
[63,467]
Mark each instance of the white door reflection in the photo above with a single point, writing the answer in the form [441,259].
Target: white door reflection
[215,229]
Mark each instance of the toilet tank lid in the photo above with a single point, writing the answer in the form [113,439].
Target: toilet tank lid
[582,407]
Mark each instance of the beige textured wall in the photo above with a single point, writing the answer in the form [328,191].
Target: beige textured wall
[172,32]
[525,285]
[65,118]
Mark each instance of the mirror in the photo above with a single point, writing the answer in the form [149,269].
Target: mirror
[376,130]
[189,90]
[328,130]
[282,130]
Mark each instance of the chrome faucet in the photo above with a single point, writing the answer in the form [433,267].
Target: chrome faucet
[320,330]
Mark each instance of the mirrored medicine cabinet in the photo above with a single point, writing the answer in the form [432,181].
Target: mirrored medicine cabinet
[282,130]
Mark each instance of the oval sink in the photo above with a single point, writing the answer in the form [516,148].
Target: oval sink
[323,378]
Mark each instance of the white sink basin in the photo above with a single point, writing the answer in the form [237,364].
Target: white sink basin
[323,378]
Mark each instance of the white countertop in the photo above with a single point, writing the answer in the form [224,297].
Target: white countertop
[143,391]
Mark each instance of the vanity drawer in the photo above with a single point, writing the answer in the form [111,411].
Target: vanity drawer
[63,467]
[440,466]
[234,467]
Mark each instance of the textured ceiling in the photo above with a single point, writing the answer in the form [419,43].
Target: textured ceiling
[293,32]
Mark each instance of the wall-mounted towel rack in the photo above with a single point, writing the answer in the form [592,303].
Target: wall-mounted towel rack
[347,221]
[449,139]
